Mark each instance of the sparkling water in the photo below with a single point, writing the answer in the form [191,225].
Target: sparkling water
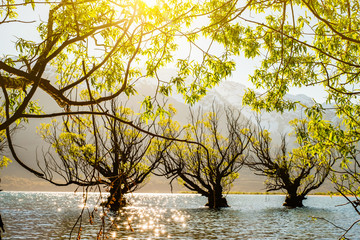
[40,215]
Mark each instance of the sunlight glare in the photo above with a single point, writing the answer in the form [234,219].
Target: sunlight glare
[150,3]
[82,205]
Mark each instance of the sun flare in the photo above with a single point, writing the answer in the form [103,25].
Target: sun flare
[150,3]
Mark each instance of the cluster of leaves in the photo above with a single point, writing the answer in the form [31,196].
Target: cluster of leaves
[91,52]
[107,46]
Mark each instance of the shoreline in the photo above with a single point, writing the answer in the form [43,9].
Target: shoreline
[188,192]
[335,194]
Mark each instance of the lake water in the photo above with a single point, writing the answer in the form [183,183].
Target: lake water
[30,215]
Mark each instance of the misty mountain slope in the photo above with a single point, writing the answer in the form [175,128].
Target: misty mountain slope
[227,93]
[230,94]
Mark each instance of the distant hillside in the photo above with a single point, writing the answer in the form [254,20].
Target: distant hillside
[226,94]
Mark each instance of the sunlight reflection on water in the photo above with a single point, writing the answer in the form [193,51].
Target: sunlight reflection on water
[172,216]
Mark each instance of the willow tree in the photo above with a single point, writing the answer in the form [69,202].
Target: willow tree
[288,167]
[105,48]
[209,163]
[86,149]
[300,43]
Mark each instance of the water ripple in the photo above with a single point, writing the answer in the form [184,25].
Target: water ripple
[172,216]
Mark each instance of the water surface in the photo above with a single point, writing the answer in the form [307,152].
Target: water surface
[30,215]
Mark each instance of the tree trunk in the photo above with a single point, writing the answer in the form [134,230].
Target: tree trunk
[293,201]
[216,200]
[116,199]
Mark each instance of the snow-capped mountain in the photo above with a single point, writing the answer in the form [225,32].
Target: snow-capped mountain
[229,93]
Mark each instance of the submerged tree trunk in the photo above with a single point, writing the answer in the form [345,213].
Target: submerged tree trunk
[293,201]
[216,200]
[116,199]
